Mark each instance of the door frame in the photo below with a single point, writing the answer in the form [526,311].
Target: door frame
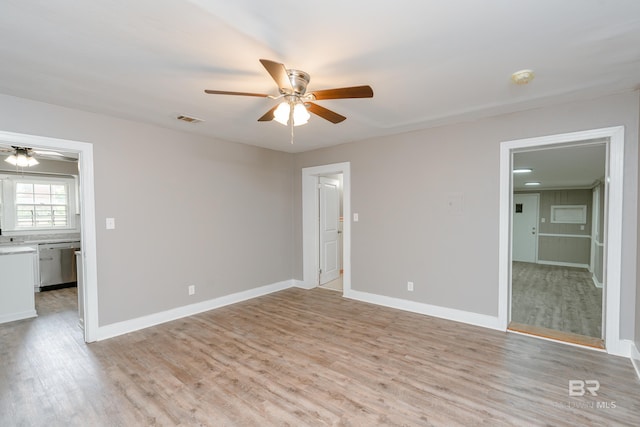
[87,216]
[613,222]
[311,226]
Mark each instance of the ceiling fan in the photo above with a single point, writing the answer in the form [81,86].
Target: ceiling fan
[297,102]
[25,156]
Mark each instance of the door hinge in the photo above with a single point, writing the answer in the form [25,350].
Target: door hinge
[320,272]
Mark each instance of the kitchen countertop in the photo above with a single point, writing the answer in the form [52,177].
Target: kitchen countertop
[15,250]
[38,241]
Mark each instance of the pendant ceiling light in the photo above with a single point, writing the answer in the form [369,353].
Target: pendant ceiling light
[21,157]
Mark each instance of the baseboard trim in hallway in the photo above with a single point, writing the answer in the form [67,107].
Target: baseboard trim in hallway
[552,334]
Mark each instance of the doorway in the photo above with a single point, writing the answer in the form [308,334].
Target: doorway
[88,288]
[330,231]
[566,213]
[311,223]
[552,291]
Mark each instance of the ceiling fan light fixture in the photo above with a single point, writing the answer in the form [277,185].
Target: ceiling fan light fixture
[281,114]
[300,115]
[21,157]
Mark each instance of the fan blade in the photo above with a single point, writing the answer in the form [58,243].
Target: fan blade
[278,72]
[268,116]
[325,113]
[225,92]
[345,92]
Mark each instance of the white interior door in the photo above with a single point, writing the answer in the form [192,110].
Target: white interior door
[329,228]
[525,227]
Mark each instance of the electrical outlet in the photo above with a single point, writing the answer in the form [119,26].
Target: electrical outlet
[192,289]
[410,286]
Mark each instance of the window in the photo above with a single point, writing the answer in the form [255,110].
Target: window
[30,205]
[569,214]
[41,205]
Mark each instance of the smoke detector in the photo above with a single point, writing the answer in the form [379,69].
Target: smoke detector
[522,77]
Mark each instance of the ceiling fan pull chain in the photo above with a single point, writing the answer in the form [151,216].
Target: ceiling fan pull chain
[291,107]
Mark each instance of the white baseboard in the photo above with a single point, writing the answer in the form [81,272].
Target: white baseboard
[596,282]
[303,285]
[121,328]
[18,316]
[627,348]
[635,358]
[470,318]
[621,348]
[563,264]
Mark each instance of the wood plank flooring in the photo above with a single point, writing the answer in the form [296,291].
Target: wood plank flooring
[301,358]
[556,297]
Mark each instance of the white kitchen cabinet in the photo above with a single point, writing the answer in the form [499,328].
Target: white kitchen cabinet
[16,283]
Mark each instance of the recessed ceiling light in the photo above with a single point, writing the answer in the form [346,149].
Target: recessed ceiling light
[522,77]
[523,170]
[531,184]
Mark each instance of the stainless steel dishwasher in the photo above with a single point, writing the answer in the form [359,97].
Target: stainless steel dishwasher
[57,264]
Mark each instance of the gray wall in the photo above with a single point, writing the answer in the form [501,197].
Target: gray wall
[575,250]
[227,217]
[400,186]
[197,212]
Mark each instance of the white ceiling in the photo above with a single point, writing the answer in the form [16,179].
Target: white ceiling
[561,167]
[429,62]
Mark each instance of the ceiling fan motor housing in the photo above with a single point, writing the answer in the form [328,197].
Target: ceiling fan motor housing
[299,81]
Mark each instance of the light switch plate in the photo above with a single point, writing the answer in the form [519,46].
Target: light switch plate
[111,223]
[355,217]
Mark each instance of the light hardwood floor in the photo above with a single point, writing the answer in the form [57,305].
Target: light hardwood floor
[301,358]
[556,297]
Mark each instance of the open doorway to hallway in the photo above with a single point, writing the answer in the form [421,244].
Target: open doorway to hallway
[558,242]
[611,222]
[559,198]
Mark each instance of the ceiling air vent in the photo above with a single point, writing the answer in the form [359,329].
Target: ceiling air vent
[189,119]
